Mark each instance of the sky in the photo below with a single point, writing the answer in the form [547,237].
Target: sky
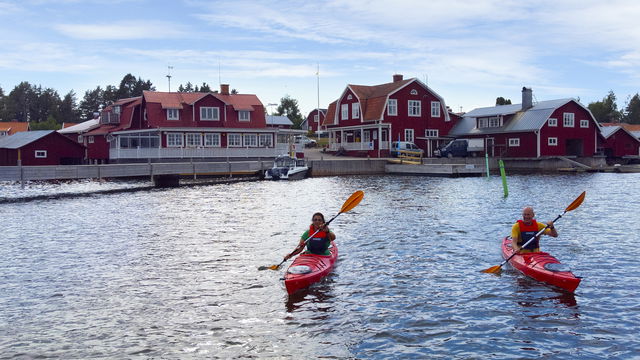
[468,52]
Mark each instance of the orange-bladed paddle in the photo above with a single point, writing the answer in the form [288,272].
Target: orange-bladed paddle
[351,202]
[577,202]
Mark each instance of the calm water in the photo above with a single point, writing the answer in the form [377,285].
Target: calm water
[173,273]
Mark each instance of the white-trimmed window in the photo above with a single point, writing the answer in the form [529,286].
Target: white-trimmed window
[208,113]
[173,114]
[212,140]
[316,118]
[568,119]
[431,133]
[91,139]
[80,139]
[495,121]
[234,140]
[250,140]
[174,140]
[193,139]
[41,154]
[435,109]
[514,142]
[552,141]
[266,140]
[415,108]
[408,135]
[392,107]
[553,122]
[584,123]
[355,110]
[344,111]
[414,92]
[244,115]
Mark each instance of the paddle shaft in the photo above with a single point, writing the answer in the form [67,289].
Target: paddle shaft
[530,240]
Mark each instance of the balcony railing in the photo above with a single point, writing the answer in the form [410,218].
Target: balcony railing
[186,153]
[358,146]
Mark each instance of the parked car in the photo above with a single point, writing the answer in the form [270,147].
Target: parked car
[302,139]
[398,146]
[461,148]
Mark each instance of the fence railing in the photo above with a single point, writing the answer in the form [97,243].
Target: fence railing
[186,153]
[370,145]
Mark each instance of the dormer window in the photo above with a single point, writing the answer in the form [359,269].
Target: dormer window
[489,122]
[173,114]
[349,97]
[244,115]
[414,92]
[116,109]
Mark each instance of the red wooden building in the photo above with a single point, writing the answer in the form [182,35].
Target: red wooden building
[366,119]
[42,147]
[562,127]
[617,141]
[11,127]
[314,120]
[172,125]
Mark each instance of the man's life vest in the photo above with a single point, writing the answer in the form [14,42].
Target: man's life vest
[319,243]
[526,233]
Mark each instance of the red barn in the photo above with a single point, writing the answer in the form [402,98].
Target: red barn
[43,147]
[365,119]
[561,127]
[617,141]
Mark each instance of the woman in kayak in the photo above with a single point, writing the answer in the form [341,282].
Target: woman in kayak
[523,230]
[318,243]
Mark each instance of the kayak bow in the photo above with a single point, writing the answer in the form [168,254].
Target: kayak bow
[308,269]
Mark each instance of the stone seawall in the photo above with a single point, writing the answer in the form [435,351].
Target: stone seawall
[347,167]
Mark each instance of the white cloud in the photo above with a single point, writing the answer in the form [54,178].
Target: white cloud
[124,30]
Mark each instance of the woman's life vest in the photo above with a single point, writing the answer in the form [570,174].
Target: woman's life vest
[319,243]
[526,233]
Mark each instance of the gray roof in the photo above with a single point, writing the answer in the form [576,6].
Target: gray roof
[522,121]
[82,127]
[636,134]
[607,131]
[22,138]
[278,120]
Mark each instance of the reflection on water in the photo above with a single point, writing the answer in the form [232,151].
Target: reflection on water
[172,273]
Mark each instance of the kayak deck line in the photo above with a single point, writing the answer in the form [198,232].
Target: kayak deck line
[318,266]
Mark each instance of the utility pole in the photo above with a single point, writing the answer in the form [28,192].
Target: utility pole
[169,76]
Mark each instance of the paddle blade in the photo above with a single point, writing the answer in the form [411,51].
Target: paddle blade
[577,202]
[493,270]
[352,201]
[272,267]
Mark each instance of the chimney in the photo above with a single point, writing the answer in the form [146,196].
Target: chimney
[397,77]
[224,89]
[527,98]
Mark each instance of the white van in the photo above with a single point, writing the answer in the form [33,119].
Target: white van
[398,146]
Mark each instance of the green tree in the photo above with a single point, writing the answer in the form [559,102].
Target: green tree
[188,87]
[92,102]
[205,87]
[130,86]
[289,107]
[20,101]
[633,110]
[4,112]
[502,101]
[606,111]
[69,111]
[50,124]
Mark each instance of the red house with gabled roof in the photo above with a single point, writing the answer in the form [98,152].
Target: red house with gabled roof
[366,119]
[562,127]
[173,125]
[617,141]
[314,120]
[41,147]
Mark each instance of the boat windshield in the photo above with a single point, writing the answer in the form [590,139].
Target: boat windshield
[285,161]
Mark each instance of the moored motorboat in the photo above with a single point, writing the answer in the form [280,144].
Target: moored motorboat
[286,167]
[308,269]
[541,266]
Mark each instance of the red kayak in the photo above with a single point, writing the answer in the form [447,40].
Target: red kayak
[307,269]
[541,266]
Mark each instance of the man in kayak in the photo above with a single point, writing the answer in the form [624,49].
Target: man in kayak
[319,243]
[523,230]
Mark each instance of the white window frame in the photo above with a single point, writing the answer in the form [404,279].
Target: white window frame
[409,135]
[173,114]
[193,140]
[392,107]
[244,115]
[552,141]
[265,140]
[79,138]
[316,118]
[211,140]
[552,122]
[41,154]
[209,113]
[584,124]
[514,142]
[414,108]
[344,111]
[431,133]
[234,140]
[366,136]
[435,109]
[250,140]
[568,120]
[355,110]
[413,92]
[175,139]
[91,139]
